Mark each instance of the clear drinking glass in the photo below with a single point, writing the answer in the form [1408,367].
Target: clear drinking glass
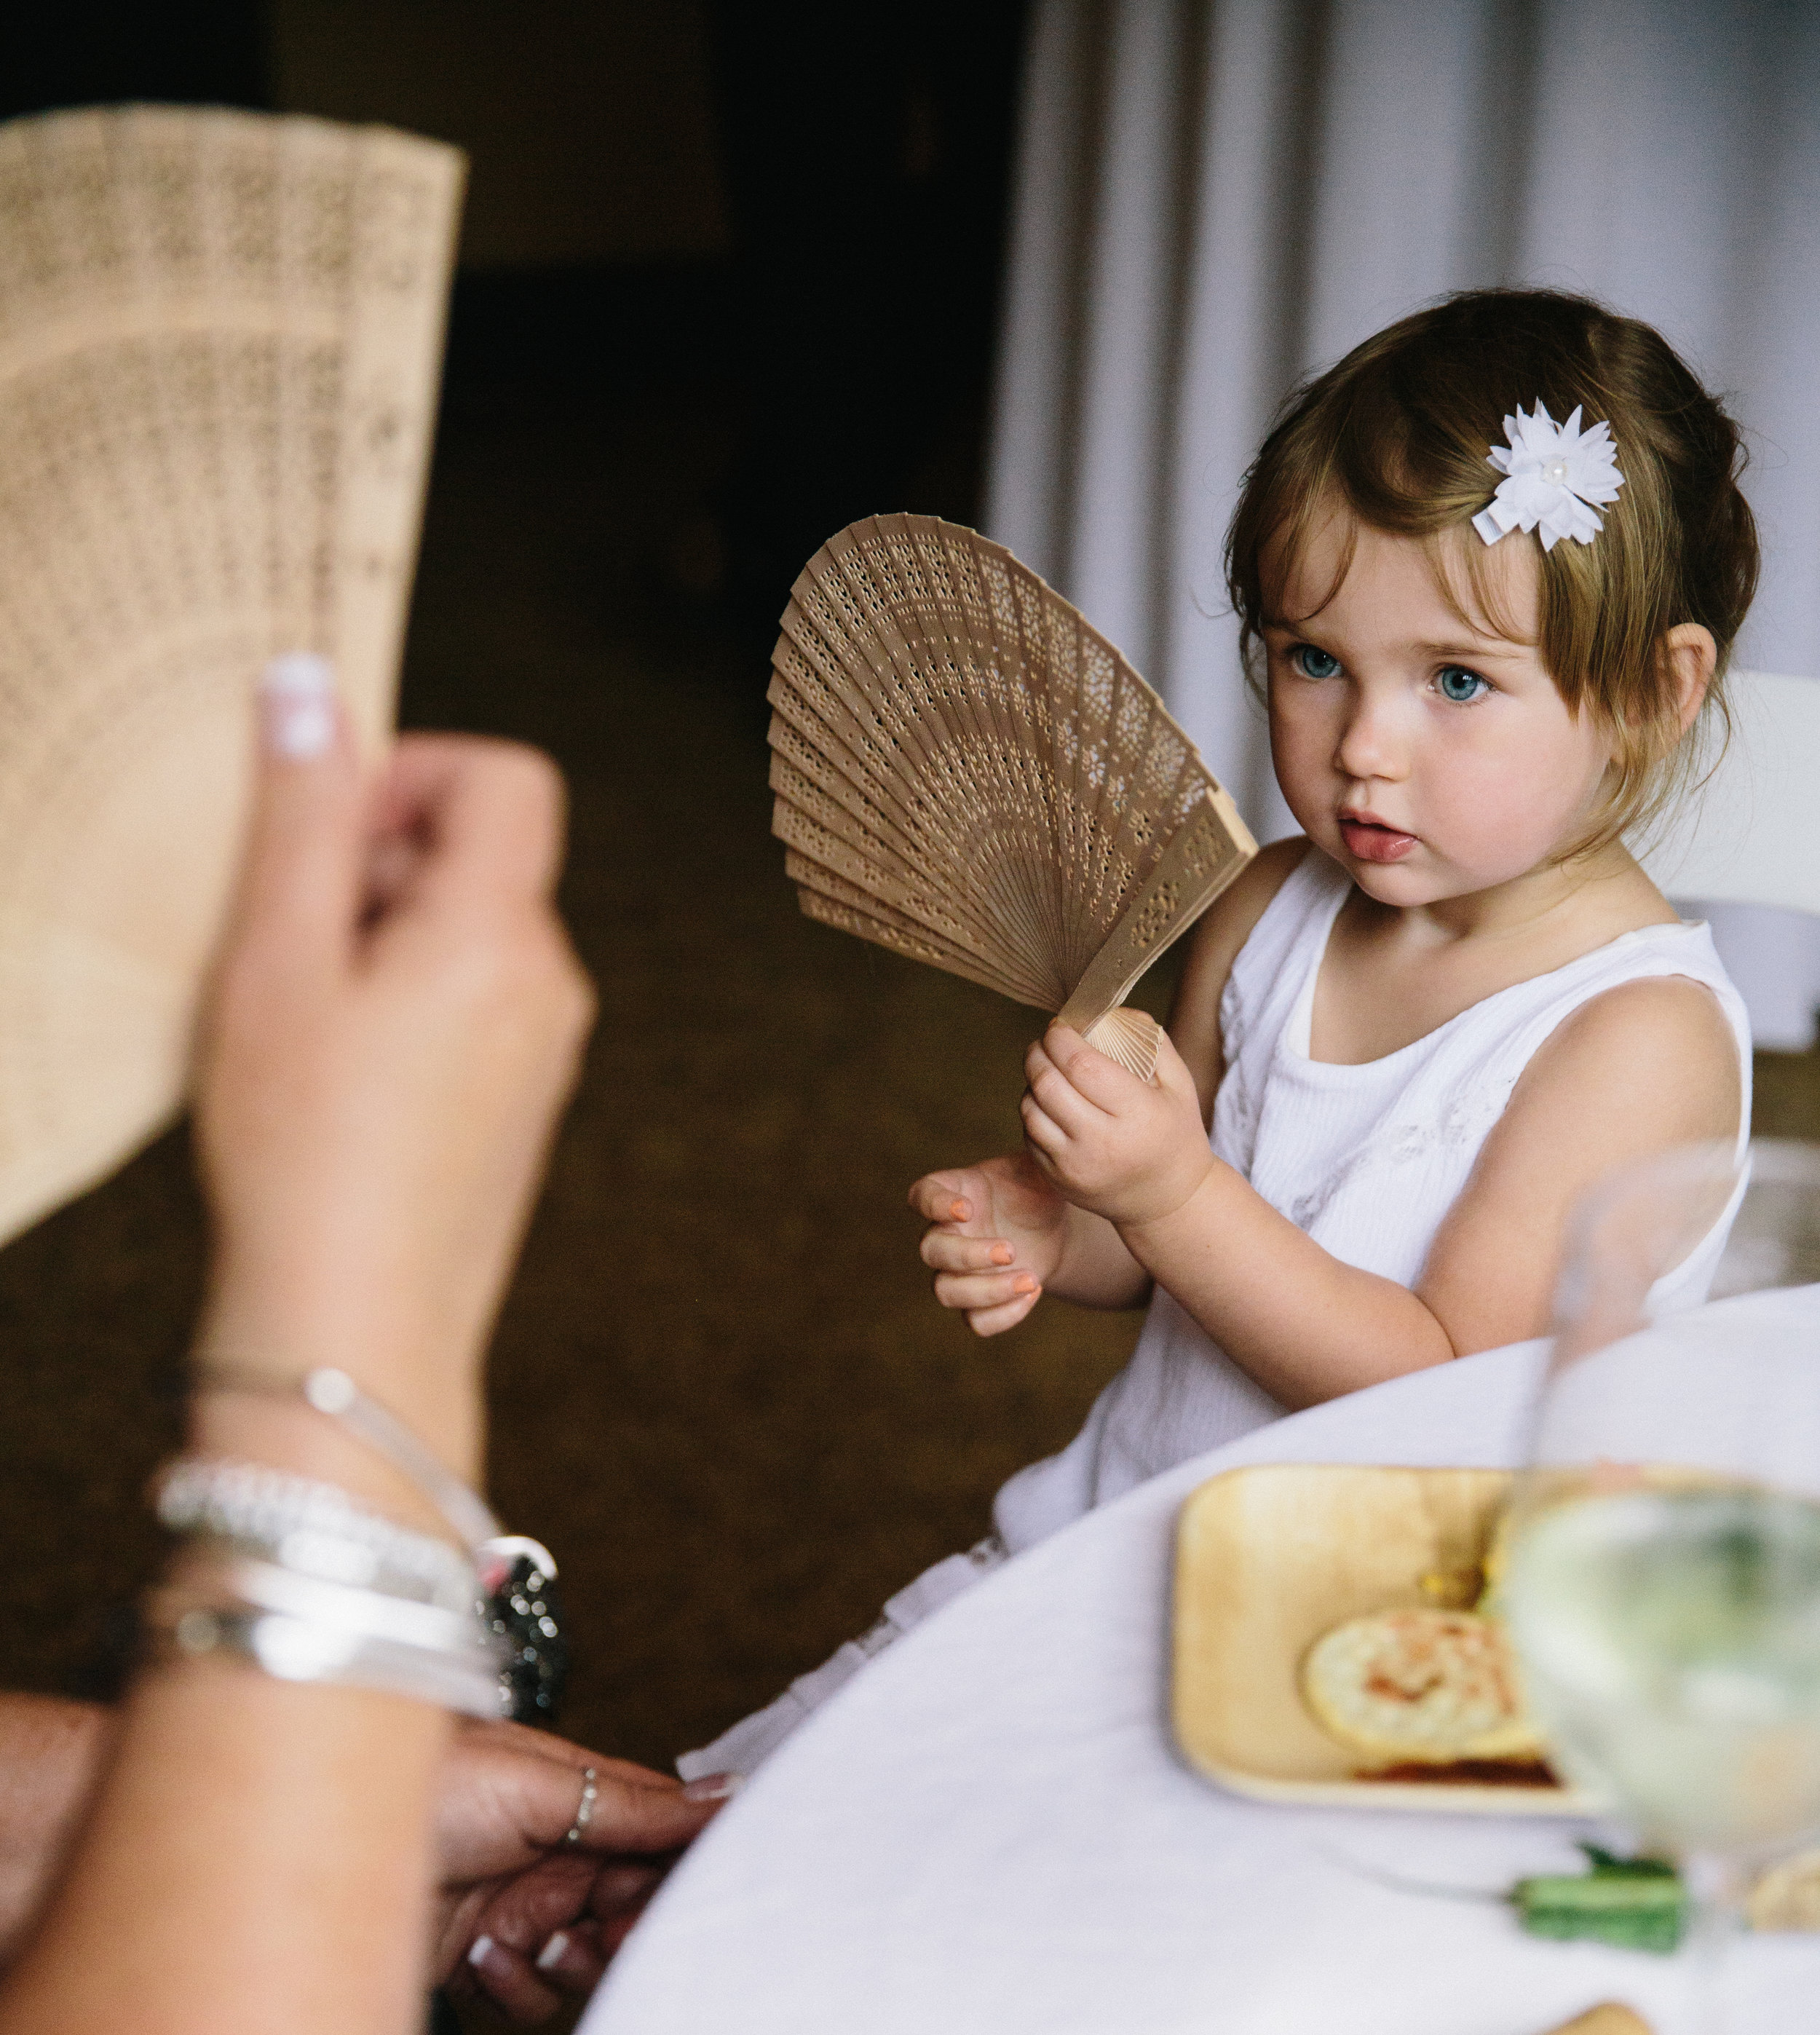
[1662,1583]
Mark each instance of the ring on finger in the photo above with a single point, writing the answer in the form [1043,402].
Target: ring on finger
[585,1808]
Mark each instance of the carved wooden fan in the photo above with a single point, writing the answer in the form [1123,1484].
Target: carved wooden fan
[968,774]
[219,339]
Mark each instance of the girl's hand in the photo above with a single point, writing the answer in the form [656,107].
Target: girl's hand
[995,1237]
[1111,1143]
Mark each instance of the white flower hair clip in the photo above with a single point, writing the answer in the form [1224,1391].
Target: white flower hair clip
[1557,472]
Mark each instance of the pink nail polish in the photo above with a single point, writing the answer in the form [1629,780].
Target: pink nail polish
[1003,1254]
[713,1788]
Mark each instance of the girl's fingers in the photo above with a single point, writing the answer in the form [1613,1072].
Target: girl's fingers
[945,1198]
[1088,1072]
[942,1251]
[1061,1100]
[995,1320]
[967,1291]
[1043,1132]
[1036,1061]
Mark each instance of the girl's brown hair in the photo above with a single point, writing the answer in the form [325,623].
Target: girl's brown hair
[1399,431]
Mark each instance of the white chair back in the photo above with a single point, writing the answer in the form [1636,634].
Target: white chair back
[1749,837]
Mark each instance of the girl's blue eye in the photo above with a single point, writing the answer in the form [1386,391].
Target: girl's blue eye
[1460,685]
[1313,663]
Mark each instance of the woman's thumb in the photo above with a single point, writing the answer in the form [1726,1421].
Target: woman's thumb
[301,877]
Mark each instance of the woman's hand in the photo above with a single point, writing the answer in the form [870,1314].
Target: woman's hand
[523,1917]
[997,1233]
[395,1025]
[1112,1143]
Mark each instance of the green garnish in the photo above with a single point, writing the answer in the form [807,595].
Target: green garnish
[1633,1904]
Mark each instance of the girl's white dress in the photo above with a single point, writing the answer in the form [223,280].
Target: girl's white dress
[1366,1159]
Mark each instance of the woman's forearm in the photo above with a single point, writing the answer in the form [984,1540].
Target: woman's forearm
[257,1854]
[1307,1327]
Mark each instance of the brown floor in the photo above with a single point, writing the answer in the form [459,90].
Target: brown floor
[721,1391]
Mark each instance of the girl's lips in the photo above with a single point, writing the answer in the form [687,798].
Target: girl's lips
[1372,842]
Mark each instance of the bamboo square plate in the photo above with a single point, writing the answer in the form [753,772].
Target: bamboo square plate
[1267,1559]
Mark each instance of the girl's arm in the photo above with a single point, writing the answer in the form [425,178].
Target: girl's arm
[1000,1234]
[1645,1067]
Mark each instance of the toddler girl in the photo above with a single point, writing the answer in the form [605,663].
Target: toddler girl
[1406,1041]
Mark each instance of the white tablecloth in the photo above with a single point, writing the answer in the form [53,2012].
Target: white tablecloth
[990,1829]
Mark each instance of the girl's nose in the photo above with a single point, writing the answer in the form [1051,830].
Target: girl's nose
[1369,744]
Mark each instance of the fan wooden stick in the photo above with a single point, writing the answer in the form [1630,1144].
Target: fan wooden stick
[967,773]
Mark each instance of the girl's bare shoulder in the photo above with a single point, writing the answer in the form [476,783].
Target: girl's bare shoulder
[1661,1045]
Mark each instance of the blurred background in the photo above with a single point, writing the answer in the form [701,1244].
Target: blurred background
[733,275]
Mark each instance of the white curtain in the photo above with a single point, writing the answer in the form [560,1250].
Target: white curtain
[1215,198]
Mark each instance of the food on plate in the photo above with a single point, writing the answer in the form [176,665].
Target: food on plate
[1610,2018]
[1466,1774]
[1432,1687]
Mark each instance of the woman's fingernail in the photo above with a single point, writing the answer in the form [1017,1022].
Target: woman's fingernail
[297,705]
[713,1788]
[1023,1284]
[481,1951]
[960,1211]
[551,1954]
[1003,1254]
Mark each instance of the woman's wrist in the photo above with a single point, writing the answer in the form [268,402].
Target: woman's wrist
[288,1434]
[424,1372]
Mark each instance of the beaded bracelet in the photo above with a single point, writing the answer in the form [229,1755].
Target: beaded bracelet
[311,1528]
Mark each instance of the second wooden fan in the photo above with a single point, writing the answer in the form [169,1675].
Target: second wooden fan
[967,773]
[219,339]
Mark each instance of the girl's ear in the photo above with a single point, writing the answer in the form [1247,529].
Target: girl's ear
[1689,657]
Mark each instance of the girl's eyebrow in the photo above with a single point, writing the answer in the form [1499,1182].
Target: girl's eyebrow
[1485,646]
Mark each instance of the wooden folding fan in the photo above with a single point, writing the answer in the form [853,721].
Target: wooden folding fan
[219,339]
[968,774]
